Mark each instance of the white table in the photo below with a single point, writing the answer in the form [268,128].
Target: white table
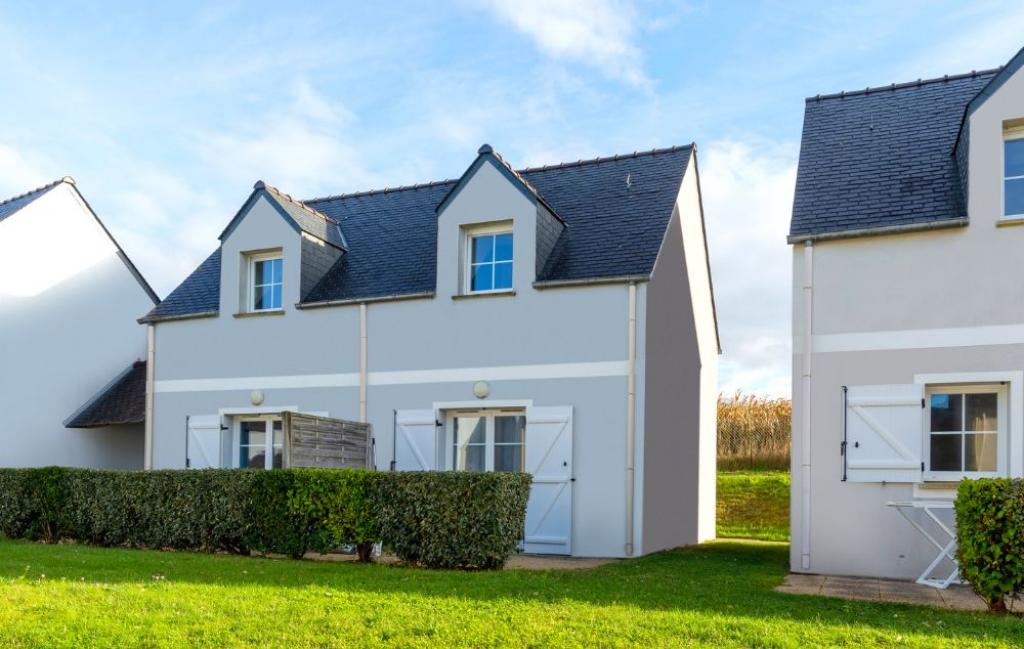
[947,549]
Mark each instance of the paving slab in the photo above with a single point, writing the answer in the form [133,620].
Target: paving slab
[884,590]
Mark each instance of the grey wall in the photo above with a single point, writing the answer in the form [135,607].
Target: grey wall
[900,291]
[61,346]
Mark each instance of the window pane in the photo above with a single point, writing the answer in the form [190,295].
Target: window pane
[509,429]
[945,455]
[253,457]
[1014,200]
[508,458]
[483,249]
[483,278]
[470,430]
[980,452]
[503,247]
[503,275]
[276,268]
[260,274]
[982,411]
[471,458]
[946,409]
[1013,158]
[275,297]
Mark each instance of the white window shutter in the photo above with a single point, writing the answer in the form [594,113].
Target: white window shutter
[884,433]
[415,440]
[549,461]
[203,450]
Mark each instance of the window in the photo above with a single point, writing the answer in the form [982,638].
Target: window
[488,441]
[1013,173]
[265,282]
[966,427]
[260,443]
[490,262]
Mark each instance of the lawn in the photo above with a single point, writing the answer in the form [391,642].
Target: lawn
[718,595]
[753,505]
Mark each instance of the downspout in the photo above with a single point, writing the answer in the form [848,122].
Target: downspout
[147,450]
[631,419]
[805,429]
[363,374]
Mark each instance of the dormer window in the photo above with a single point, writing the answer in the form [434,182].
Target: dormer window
[489,259]
[265,281]
[1013,172]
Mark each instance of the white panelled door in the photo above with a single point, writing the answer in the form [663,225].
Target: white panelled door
[415,440]
[884,433]
[549,460]
[203,448]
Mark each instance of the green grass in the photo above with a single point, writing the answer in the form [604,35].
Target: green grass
[717,595]
[753,505]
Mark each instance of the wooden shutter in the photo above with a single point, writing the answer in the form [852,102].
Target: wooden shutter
[883,433]
[203,447]
[549,461]
[415,440]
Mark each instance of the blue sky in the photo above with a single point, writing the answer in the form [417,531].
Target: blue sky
[166,113]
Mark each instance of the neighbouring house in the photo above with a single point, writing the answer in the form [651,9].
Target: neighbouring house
[71,391]
[558,320]
[908,315]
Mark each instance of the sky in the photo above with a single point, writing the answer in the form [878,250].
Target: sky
[167,113]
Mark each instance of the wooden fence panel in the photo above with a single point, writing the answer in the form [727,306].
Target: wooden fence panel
[324,442]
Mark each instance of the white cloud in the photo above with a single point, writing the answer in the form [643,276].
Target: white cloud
[21,172]
[599,33]
[747,188]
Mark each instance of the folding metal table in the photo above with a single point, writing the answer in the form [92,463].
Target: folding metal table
[947,549]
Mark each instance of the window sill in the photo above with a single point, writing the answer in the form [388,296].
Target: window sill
[469,296]
[1008,221]
[259,314]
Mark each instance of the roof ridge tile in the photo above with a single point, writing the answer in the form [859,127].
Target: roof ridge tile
[62,179]
[843,94]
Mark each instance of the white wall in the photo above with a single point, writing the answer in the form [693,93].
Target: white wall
[68,309]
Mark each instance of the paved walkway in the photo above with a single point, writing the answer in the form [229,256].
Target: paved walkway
[883,590]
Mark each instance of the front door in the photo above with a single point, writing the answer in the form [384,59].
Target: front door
[507,440]
[259,442]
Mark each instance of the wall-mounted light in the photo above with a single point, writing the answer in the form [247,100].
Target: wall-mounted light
[481,389]
[256,397]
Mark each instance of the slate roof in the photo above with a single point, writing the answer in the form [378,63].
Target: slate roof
[308,219]
[123,401]
[12,205]
[882,157]
[613,229]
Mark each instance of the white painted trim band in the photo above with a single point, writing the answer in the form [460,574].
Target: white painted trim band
[448,375]
[919,338]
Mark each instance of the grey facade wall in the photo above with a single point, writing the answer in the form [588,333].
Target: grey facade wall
[885,309]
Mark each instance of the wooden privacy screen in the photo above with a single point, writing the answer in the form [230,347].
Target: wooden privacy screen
[323,442]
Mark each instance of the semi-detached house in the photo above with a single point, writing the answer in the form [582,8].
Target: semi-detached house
[558,320]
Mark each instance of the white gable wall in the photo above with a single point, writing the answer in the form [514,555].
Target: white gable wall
[68,306]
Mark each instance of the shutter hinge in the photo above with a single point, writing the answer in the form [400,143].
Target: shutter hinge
[922,402]
[922,467]
[842,447]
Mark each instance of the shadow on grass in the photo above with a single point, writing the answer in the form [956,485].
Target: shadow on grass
[724,578]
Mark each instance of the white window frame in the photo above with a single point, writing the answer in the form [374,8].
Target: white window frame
[469,234]
[251,260]
[1010,134]
[1002,432]
[488,414]
[269,446]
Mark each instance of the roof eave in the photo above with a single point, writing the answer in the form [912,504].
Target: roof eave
[944,224]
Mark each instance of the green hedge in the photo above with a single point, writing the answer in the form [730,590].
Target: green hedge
[467,520]
[990,538]
[454,519]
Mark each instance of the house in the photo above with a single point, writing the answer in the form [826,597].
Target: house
[908,315]
[70,390]
[558,320]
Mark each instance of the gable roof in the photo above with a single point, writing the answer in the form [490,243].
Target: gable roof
[122,401]
[15,203]
[300,216]
[881,159]
[616,210]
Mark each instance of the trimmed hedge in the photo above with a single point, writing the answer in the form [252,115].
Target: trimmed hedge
[990,538]
[454,519]
[466,520]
